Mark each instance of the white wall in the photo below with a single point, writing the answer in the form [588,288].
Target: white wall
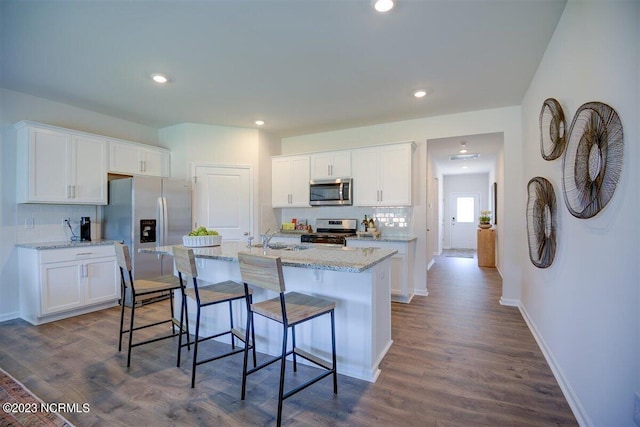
[506,120]
[192,143]
[15,106]
[585,307]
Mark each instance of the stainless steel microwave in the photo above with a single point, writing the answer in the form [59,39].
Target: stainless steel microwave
[331,192]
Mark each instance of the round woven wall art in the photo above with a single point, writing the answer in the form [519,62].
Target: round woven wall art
[552,130]
[541,222]
[593,159]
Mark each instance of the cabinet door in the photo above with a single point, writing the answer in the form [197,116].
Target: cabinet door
[341,164]
[61,287]
[398,279]
[320,166]
[155,163]
[280,182]
[101,280]
[365,177]
[124,158]
[49,166]
[89,176]
[333,164]
[300,182]
[395,174]
[290,182]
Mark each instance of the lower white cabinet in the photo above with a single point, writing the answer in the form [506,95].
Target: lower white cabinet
[60,283]
[402,264]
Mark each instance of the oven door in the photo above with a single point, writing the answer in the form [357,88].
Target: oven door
[330,192]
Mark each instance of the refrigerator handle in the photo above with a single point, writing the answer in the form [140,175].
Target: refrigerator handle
[165,221]
[160,227]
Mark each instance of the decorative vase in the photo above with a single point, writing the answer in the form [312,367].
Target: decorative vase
[484,225]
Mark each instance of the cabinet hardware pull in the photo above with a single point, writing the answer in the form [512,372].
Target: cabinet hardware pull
[73,191]
[83,253]
[68,191]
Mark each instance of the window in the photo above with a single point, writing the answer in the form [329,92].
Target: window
[465,209]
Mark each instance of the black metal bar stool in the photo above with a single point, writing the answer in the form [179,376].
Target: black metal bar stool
[205,296]
[289,310]
[144,287]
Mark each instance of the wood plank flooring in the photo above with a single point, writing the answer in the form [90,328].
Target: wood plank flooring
[459,358]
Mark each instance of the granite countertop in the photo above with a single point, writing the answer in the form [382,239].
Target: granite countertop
[321,257]
[386,238]
[64,244]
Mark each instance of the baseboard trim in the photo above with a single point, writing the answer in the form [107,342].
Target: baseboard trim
[421,292]
[509,302]
[9,316]
[430,264]
[567,390]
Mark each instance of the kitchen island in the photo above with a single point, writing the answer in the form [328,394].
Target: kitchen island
[357,279]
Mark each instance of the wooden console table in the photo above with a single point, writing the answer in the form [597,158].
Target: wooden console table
[486,247]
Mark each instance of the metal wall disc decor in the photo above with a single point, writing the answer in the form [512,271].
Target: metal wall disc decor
[593,160]
[552,130]
[541,222]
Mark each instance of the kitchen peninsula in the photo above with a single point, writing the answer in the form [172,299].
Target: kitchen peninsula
[357,279]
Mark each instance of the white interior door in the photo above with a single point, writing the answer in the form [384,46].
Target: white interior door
[222,200]
[465,210]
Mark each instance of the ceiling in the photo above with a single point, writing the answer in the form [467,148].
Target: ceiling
[302,66]
[487,145]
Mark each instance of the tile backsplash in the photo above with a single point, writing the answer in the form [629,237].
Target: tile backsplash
[390,220]
[43,222]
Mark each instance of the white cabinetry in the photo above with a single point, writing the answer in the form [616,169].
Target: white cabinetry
[332,164]
[60,283]
[290,181]
[56,166]
[402,264]
[382,175]
[138,159]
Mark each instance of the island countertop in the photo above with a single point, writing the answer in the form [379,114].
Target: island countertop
[322,257]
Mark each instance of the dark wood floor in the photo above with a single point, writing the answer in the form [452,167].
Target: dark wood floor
[459,358]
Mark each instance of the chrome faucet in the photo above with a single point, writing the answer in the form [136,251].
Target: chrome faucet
[266,238]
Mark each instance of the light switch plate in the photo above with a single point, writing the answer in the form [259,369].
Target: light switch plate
[29,222]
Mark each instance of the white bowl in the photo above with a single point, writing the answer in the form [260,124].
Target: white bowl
[201,241]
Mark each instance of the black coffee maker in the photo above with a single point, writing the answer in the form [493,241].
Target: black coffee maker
[85,229]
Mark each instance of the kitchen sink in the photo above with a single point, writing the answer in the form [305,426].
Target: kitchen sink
[297,248]
[336,248]
[284,247]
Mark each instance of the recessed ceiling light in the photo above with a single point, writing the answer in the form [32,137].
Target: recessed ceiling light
[420,93]
[259,122]
[159,78]
[464,166]
[383,5]
[463,147]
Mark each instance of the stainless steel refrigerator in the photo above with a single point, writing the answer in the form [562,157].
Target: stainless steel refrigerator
[146,212]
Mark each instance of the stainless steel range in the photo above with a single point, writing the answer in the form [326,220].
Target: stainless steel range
[331,231]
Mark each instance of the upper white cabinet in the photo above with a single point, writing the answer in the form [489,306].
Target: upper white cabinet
[138,159]
[290,181]
[332,164]
[382,175]
[59,166]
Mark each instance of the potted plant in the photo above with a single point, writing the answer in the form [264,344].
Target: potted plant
[485,219]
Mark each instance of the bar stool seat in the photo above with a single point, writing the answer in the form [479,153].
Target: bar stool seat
[139,288]
[299,307]
[288,309]
[204,296]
